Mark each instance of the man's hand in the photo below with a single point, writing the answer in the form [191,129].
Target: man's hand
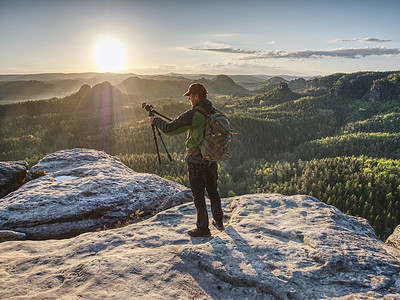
[151,119]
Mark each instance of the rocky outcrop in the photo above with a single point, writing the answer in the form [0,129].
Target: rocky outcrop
[273,247]
[377,91]
[384,90]
[84,190]
[12,175]
[324,83]
[342,90]
[394,239]
[283,86]
[298,84]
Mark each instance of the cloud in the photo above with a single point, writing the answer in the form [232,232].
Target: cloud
[249,54]
[364,40]
[225,35]
[308,54]
[222,48]
[225,50]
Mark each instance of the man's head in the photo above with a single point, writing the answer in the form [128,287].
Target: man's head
[196,92]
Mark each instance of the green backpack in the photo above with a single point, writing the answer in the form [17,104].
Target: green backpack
[217,136]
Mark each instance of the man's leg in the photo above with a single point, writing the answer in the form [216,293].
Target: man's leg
[211,186]
[197,180]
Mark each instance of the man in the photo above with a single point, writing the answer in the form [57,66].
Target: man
[202,173]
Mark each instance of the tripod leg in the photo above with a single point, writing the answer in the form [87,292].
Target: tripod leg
[155,141]
[162,141]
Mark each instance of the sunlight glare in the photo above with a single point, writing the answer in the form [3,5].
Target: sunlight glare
[110,55]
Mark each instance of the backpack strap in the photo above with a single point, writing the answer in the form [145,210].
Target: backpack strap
[202,110]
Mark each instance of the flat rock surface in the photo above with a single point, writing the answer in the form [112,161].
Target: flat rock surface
[84,190]
[273,247]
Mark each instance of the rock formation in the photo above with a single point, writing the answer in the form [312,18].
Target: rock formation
[283,86]
[12,175]
[342,90]
[377,92]
[84,190]
[273,247]
[298,84]
[384,89]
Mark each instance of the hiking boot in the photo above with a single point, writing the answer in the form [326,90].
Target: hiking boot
[196,232]
[218,225]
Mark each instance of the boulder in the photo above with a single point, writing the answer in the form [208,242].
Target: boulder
[12,175]
[84,190]
[394,239]
[273,247]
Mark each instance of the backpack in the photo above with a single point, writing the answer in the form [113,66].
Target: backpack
[217,136]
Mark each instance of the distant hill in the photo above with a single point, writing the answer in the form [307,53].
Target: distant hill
[87,77]
[175,88]
[269,84]
[26,90]
[39,90]
[151,88]
[222,84]
[281,94]
[46,86]
[297,84]
[87,100]
[143,86]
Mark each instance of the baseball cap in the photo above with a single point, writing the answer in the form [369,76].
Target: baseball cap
[196,88]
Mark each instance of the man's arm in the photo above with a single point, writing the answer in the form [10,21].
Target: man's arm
[179,125]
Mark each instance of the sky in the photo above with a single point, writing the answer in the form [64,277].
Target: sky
[270,37]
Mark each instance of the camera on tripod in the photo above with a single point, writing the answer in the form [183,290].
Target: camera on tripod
[147,107]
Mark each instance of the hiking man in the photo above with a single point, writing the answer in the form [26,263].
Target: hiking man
[202,173]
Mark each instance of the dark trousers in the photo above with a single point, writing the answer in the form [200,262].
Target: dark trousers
[204,177]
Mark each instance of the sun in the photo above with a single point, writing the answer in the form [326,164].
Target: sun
[110,55]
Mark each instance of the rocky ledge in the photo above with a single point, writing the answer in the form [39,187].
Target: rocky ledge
[83,190]
[273,247]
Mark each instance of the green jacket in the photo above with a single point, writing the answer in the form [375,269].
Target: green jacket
[192,121]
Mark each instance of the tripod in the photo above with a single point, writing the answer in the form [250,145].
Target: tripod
[152,112]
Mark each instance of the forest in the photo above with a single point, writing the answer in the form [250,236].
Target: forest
[336,138]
